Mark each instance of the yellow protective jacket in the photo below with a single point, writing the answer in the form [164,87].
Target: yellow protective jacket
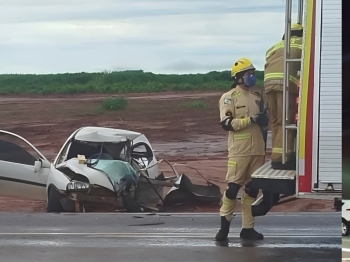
[274,66]
[246,138]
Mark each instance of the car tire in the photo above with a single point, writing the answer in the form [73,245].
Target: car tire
[345,228]
[54,204]
[129,203]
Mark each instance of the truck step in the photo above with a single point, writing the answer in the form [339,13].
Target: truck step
[266,171]
[274,181]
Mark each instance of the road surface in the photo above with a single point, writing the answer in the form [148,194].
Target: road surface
[166,237]
[346,248]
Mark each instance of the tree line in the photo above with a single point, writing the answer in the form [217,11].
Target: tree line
[115,82]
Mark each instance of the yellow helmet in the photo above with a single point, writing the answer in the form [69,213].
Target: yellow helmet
[241,65]
[296,27]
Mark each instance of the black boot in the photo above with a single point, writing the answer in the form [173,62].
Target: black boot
[250,234]
[224,230]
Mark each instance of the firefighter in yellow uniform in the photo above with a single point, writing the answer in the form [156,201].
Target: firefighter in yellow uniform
[273,84]
[243,115]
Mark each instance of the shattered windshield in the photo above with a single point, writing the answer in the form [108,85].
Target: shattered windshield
[111,158]
[120,173]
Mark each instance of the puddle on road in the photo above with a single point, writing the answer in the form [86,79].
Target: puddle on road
[164,241]
[203,243]
[36,243]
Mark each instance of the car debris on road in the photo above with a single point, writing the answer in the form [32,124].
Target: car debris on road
[96,169]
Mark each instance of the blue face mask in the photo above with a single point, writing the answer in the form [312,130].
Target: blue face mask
[249,80]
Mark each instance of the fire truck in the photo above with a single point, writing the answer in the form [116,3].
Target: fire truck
[318,122]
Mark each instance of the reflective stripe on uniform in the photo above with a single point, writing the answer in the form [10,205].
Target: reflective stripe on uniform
[231,163]
[273,82]
[244,122]
[277,150]
[281,45]
[236,94]
[279,76]
[274,48]
[242,136]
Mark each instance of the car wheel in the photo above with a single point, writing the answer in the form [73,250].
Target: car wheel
[129,203]
[345,228]
[54,204]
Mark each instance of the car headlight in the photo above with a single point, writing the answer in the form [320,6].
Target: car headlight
[77,186]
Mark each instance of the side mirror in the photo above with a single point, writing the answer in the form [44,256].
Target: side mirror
[41,164]
[45,163]
[37,166]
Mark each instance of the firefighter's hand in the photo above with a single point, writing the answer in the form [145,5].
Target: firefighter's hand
[227,124]
[264,112]
[261,119]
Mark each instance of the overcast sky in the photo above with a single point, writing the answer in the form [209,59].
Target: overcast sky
[160,36]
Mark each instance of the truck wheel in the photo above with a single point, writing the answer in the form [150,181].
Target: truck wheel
[345,228]
[54,204]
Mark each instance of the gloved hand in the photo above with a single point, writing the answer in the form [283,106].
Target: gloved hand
[226,124]
[261,119]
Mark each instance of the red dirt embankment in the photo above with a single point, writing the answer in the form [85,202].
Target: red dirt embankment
[177,131]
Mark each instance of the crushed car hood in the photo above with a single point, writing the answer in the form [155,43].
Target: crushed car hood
[96,177]
[107,173]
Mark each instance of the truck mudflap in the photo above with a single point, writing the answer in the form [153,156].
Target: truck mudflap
[273,184]
[264,203]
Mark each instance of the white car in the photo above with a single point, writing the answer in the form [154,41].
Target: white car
[28,174]
[96,168]
[345,217]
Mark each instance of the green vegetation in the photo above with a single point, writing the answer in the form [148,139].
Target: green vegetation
[115,82]
[197,104]
[114,104]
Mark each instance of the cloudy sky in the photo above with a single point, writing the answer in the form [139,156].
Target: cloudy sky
[160,36]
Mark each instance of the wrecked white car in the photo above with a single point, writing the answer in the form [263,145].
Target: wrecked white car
[97,169]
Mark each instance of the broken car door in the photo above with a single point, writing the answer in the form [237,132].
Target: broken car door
[23,169]
[142,153]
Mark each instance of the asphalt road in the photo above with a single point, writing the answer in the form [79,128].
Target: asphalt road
[166,237]
[346,248]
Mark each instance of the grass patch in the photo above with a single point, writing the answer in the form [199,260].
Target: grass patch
[114,104]
[197,104]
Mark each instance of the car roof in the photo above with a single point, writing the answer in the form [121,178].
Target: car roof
[105,134]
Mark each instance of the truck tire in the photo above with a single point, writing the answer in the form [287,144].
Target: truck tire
[54,204]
